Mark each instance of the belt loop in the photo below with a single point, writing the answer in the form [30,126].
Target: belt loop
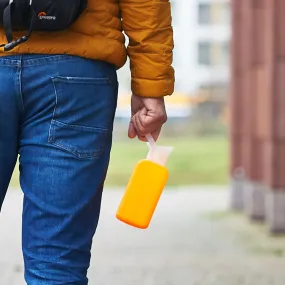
[21,60]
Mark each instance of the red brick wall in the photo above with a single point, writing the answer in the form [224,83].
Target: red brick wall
[258,90]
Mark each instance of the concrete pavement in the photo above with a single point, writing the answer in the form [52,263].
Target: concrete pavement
[192,240]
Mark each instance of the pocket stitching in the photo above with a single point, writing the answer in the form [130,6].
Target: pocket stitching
[65,80]
[78,154]
[78,127]
[55,122]
[81,80]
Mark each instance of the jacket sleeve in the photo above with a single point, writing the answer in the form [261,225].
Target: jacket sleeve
[147,23]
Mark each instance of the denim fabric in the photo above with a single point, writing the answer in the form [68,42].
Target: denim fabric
[57,113]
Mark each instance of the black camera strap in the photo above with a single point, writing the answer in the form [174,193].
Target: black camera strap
[7,24]
[37,15]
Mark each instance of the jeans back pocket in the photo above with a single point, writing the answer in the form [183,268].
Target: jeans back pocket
[83,115]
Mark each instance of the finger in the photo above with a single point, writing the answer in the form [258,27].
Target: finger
[152,118]
[144,123]
[132,132]
[155,134]
[147,124]
[142,138]
[152,121]
[141,130]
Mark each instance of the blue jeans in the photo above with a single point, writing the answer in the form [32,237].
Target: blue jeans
[57,114]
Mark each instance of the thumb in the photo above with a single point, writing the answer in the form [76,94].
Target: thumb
[132,131]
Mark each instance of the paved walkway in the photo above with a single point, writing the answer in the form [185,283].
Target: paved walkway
[193,240]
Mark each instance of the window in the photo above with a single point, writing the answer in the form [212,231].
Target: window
[204,14]
[226,52]
[213,53]
[221,13]
[214,13]
[204,51]
[226,13]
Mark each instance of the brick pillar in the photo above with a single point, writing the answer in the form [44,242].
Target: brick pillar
[237,109]
[254,193]
[247,70]
[258,110]
[274,107]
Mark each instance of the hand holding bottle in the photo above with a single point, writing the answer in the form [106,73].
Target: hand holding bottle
[148,117]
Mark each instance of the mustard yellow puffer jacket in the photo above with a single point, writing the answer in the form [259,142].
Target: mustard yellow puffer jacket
[97,34]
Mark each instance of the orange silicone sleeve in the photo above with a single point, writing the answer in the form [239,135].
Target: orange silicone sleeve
[142,194]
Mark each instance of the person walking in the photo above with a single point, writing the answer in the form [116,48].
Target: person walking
[58,94]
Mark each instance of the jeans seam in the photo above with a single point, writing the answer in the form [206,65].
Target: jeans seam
[79,127]
[83,80]
[76,153]
[50,59]
[20,87]
[51,138]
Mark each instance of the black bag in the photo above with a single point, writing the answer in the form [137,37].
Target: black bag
[37,15]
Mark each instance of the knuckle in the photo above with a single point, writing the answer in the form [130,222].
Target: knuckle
[144,124]
[142,130]
[162,117]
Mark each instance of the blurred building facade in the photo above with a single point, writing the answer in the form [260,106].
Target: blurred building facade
[202,38]
[201,55]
